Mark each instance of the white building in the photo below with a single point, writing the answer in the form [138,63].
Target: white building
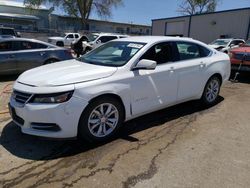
[206,27]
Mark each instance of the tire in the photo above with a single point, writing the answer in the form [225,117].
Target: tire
[211,91]
[49,61]
[95,125]
[60,44]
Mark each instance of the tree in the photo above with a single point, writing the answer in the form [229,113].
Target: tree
[80,8]
[190,7]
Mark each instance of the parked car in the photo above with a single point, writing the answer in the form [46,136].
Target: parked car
[241,55]
[19,54]
[95,40]
[92,96]
[7,32]
[64,40]
[225,45]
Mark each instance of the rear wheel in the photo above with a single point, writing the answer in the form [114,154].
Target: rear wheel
[101,119]
[211,91]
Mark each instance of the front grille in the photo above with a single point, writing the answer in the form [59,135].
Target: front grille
[240,56]
[21,97]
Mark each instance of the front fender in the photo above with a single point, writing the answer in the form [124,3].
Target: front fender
[92,92]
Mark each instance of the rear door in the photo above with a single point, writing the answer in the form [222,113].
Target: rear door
[8,63]
[30,55]
[190,69]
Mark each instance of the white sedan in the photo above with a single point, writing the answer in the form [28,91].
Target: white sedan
[92,96]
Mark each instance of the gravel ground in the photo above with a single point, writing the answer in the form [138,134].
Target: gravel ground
[182,146]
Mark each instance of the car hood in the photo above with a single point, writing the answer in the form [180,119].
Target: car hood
[56,38]
[216,46]
[64,73]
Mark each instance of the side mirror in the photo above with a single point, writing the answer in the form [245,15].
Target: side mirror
[98,42]
[145,64]
[18,34]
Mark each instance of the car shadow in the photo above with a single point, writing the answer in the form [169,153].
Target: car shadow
[35,148]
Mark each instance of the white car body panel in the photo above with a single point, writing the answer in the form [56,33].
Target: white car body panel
[141,91]
[66,41]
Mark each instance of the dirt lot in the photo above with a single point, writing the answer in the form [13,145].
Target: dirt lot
[182,146]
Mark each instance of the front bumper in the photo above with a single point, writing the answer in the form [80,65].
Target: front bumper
[64,115]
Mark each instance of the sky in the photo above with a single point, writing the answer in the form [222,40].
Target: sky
[143,11]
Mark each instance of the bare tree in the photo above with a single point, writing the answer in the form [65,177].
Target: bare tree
[190,7]
[80,8]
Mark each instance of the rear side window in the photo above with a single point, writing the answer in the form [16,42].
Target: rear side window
[41,46]
[26,45]
[5,46]
[191,51]
[7,32]
[107,38]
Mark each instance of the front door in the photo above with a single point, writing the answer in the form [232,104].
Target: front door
[8,63]
[154,89]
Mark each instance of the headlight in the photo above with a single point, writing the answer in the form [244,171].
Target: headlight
[52,98]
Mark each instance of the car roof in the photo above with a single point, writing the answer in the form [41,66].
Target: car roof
[153,39]
[230,39]
[109,34]
[25,39]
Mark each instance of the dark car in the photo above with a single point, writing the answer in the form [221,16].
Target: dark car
[18,54]
[77,46]
[7,32]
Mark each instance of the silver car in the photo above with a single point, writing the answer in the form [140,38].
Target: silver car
[19,54]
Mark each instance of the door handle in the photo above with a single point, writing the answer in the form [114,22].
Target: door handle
[202,64]
[11,56]
[42,53]
[171,69]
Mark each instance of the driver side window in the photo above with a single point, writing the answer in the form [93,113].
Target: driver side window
[70,36]
[161,53]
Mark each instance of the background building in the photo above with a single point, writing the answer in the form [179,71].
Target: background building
[16,15]
[206,27]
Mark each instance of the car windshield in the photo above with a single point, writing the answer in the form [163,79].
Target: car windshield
[113,54]
[247,43]
[220,42]
[63,35]
[92,37]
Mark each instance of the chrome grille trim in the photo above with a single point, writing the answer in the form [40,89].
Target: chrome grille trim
[21,97]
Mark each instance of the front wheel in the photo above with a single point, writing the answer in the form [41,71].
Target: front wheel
[211,91]
[101,120]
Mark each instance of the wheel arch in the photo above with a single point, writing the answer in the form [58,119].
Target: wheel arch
[218,75]
[111,95]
